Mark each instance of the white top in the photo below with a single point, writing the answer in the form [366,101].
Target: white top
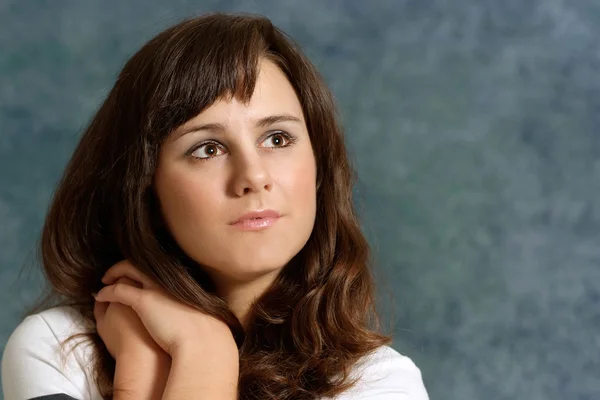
[31,365]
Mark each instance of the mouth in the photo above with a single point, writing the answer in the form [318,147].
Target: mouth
[256,223]
[257,215]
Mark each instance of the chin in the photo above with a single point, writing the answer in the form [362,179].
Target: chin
[255,268]
[261,266]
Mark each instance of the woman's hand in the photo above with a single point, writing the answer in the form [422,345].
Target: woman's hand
[172,325]
[142,367]
[121,329]
[204,355]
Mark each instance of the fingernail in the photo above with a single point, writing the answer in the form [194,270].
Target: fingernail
[94,294]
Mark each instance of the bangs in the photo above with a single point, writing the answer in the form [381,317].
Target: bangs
[202,63]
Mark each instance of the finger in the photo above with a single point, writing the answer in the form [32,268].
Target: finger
[100,310]
[129,281]
[120,293]
[99,313]
[126,269]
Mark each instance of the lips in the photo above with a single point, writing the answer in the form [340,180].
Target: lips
[257,215]
[256,220]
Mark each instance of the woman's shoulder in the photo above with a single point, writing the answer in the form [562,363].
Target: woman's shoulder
[387,357]
[60,320]
[33,364]
[386,374]
[46,329]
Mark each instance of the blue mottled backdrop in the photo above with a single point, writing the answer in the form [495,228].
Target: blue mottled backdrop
[474,128]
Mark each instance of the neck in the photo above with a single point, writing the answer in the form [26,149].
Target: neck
[240,295]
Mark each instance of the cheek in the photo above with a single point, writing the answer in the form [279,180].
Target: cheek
[186,198]
[300,185]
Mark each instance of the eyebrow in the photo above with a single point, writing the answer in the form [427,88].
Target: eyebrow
[219,128]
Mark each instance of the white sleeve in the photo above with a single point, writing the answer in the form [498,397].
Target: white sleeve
[32,365]
[388,375]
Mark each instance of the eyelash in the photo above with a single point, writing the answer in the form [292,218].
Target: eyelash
[289,138]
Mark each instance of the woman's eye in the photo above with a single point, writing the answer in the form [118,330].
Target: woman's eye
[278,139]
[207,150]
[210,150]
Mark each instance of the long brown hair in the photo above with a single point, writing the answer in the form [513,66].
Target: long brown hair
[319,317]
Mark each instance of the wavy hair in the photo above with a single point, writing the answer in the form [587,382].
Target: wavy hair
[318,318]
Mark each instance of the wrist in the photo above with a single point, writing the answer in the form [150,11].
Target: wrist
[189,350]
[197,373]
[145,362]
[143,353]
[221,362]
[141,375]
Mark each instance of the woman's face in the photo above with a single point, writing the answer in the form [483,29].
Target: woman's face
[234,159]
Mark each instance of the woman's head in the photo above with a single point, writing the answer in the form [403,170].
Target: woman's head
[266,115]
[215,117]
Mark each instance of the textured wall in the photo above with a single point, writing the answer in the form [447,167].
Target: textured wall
[474,126]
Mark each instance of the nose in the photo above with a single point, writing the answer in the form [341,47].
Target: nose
[251,174]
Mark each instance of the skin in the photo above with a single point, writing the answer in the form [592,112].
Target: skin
[248,166]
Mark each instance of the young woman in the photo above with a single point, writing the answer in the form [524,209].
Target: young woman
[202,243]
